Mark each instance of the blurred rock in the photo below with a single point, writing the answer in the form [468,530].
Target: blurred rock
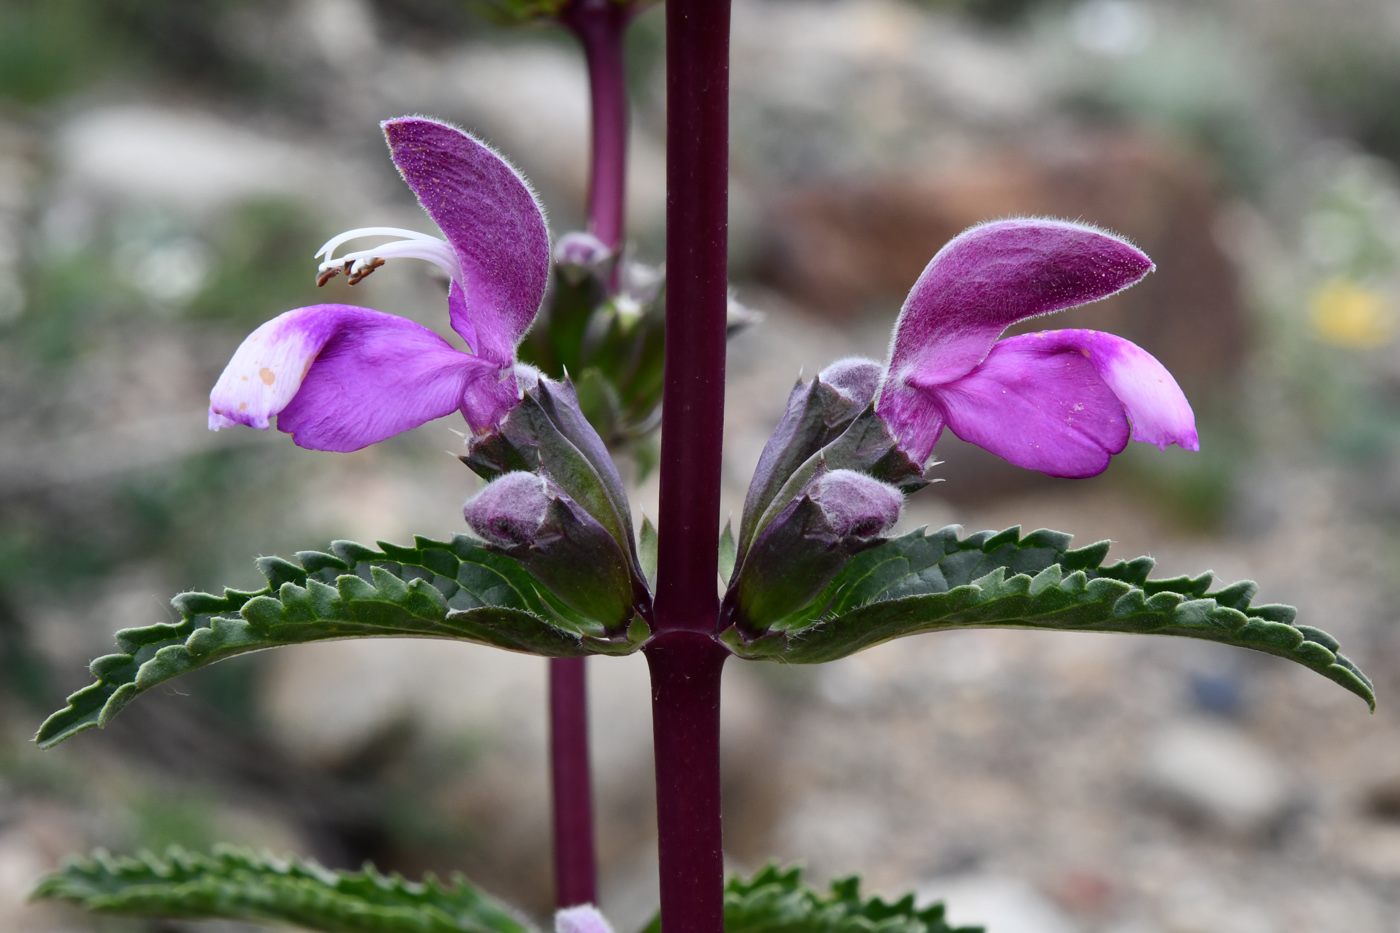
[189,159]
[1002,905]
[1218,773]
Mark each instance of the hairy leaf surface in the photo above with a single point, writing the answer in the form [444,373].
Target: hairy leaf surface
[930,581]
[777,901]
[238,885]
[454,589]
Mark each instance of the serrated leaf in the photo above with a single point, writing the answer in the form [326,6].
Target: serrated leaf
[931,581]
[775,900]
[436,589]
[235,884]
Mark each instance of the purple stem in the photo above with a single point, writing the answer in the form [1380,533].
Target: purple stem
[692,405]
[685,676]
[684,657]
[601,26]
[575,865]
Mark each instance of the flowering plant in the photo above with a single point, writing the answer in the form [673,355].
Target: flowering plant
[556,567]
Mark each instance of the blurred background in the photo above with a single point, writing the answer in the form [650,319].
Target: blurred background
[167,170]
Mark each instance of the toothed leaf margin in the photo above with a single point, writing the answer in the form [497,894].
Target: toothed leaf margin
[235,884]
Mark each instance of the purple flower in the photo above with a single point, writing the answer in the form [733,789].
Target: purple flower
[340,377]
[1060,401]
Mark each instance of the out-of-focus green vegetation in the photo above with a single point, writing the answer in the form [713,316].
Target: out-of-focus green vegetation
[49,48]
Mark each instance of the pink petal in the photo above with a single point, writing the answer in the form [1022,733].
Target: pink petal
[341,378]
[981,282]
[996,274]
[1039,404]
[1155,404]
[489,215]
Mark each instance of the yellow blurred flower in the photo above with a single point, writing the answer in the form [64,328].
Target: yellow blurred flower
[1348,314]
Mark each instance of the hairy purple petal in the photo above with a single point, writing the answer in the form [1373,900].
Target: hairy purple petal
[996,274]
[490,216]
[582,919]
[341,378]
[459,317]
[1155,404]
[1039,404]
[268,367]
[857,505]
[914,418]
[509,510]
[855,377]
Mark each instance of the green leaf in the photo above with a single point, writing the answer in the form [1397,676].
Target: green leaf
[776,901]
[238,885]
[647,549]
[728,552]
[454,589]
[925,582]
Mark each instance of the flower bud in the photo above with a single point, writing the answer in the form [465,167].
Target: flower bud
[855,377]
[584,918]
[816,414]
[798,552]
[528,518]
[856,505]
[509,511]
[579,255]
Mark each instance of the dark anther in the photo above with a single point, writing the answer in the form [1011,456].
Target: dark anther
[357,276]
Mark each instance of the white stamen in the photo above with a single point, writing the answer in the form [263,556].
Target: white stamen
[410,245]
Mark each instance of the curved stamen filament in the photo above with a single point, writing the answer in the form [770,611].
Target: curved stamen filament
[360,263]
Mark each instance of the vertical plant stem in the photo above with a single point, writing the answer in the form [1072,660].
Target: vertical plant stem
[685,678]
[697,241]
[575,865]
[601,26]
[684,658]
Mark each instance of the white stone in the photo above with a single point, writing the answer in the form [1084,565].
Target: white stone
[186,158]
[1001,904]
[1218,772]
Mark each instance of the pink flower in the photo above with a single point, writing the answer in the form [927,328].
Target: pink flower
[340,377]
[1060,401]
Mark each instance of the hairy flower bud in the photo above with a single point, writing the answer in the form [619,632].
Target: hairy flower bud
[509,511]
[796,554]
[579,255]
[855,377]
[856,505]
[584,918]
[528,518]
